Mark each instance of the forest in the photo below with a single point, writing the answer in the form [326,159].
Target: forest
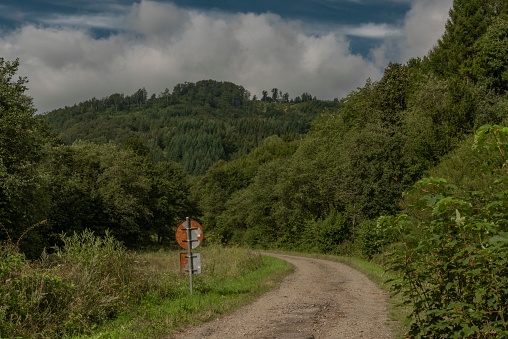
[410,170]
[196,125]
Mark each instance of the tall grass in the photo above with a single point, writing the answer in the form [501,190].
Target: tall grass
[90,282]
[217,291]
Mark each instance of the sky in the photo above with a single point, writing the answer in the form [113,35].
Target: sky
[74,50]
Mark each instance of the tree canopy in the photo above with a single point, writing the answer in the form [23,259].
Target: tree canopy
[196,125]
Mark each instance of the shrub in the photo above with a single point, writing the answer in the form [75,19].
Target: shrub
[101,272]
[332,231]
[367,238]
[32,299]
[90,281]
[455,273]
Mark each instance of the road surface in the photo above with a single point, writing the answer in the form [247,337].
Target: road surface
[321,299]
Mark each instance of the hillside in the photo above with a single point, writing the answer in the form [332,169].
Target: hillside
[354,165]
[410,170]
[196,124]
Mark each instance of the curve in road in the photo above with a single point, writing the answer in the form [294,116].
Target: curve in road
[321,299]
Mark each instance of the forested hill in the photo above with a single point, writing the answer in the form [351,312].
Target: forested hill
[327,192]
[196,124]
[339,189]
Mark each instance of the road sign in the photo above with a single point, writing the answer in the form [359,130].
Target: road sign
[189,235]
[185,264]
[196,234]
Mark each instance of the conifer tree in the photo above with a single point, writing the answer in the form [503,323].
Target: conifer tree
[468,21]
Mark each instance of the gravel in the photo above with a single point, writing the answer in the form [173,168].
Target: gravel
[321,299]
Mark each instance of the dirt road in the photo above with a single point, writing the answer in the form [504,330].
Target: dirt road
[321,299]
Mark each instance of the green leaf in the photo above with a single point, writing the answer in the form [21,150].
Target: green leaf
[502,238]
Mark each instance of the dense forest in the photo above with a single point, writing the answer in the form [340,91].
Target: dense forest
[301,174]
[196,125]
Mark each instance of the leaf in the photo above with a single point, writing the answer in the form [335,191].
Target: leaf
[499,239]
[466,331]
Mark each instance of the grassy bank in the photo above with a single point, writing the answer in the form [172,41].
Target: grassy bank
[225,284]
[93,287]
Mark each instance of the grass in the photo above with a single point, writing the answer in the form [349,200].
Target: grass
[231,277]
[92,287]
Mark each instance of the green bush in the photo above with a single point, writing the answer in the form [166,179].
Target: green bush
[454,275]
[102,274]
[32,299]
[367,238]
[332,231]
[90,281]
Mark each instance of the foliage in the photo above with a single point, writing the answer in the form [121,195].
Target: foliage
[355,163]
[331,231]
[300,174]
[468,21]
[368,239]
[226,213]
[102,274]
[231,277]
[86,282]
[454,274]
[22,140]
[196,125]
[98,187]
[103,187]
[89,281]
[490,66]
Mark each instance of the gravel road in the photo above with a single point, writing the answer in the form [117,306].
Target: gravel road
[321,299]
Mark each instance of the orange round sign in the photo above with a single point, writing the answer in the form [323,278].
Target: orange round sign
[196,234]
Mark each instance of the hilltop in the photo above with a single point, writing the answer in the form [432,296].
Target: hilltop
[197,124]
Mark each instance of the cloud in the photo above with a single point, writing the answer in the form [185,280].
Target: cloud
[87,21]
[423,25]
[162,45]
[153,18]
[371,30]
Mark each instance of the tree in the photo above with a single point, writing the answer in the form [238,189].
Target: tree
[22,138]
[170,200]
[492,50]
[449,250]
[18,142]
[99,187]
[275,94]
[265,96]
[468,21]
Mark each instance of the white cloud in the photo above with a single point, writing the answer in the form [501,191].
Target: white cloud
[163,45]
[153,18]
[372,30]
[423,25]
[89,21]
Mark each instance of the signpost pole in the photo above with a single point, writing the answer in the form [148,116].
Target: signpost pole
[189,235]
[189,252]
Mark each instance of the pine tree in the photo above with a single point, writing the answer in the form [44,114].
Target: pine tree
[468,21]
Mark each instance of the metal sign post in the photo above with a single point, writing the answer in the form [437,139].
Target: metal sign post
[189,254]
[189,235]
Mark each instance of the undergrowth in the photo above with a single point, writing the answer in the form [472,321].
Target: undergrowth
[85,282]
[215,294]
[454,275]
[92,283]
